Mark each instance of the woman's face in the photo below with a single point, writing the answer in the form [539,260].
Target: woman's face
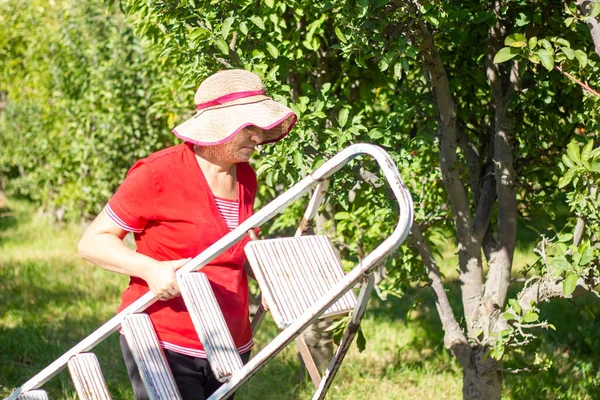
[240,147]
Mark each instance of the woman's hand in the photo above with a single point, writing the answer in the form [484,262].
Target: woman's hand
[162,280]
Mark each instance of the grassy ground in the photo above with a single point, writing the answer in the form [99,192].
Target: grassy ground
[50,299]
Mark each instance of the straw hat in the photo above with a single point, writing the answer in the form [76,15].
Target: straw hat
[227,102]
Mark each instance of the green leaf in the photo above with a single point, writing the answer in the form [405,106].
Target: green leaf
[243,27]
[361,342]
[343,117]
[569,21]
[505,54]
[532,42]
[385,61]
[587,254]
[226,27]
[546,59]
[272,75]
[565,237]
[562,42]
[582,58]
[270,3]
[534,58]
[587,151]
[516,40]
[341,215]
[375,134]
[573,152]
[340,35]
[222,46]
[261,170]
[570,283]
[515,305]
[530,317]
[497,352]
[325,88]
[567,161]
[570,53]
[522,19]
[509,316]
[258,22]
[272,50]
[567,178]
[546,44]
[594,10]
[398,70]
[559,264]
[198,33]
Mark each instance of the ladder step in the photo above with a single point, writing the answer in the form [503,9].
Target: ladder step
[150,358]
[294,273]
[38,394]
[210,325]
[87,377]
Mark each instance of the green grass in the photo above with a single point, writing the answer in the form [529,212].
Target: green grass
[50,299]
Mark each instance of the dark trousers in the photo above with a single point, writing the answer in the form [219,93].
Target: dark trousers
[193,376]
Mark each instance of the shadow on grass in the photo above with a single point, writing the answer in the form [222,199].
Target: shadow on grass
[8,219]
[40,320]
[572,354]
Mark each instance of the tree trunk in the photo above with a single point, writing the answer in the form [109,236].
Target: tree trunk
[482,376]
[469,250]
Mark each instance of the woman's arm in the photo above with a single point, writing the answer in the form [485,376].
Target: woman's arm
[102,244]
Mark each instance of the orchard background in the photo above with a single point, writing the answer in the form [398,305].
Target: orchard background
[491,111]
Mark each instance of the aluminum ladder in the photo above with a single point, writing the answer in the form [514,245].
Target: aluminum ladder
[294,304]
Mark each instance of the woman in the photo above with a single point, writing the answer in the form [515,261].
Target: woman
[178,202]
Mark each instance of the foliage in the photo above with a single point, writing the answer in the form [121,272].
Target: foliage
[78,103]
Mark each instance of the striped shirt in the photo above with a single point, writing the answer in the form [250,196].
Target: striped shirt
[229,210]
[199,353]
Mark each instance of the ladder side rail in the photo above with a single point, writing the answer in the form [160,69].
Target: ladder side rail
[258,318]
[368,264]
[351,331]
[269,211]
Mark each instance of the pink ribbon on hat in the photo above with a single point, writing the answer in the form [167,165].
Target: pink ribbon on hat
[229,97]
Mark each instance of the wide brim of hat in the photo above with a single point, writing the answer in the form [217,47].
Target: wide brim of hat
[218,124]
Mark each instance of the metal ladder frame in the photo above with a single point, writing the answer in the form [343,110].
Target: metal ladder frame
[370,262]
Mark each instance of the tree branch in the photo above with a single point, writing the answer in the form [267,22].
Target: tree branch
[469,252]
[547,288]
[487,199]
[586,87]
[453,334]
[578,231]
[473,163]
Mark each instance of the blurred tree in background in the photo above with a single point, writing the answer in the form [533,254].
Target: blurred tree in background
[78,89]
[488,109]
